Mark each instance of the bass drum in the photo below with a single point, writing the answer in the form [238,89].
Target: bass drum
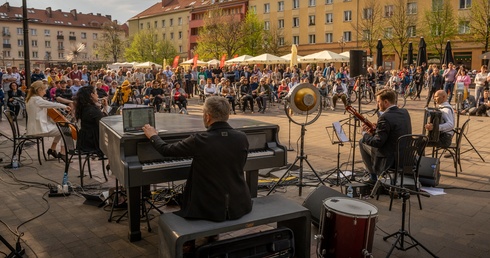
[347,228]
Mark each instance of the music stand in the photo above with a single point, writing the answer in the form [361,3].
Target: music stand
[337,137]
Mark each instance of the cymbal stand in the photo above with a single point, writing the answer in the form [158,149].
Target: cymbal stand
[301,157]
[402,233]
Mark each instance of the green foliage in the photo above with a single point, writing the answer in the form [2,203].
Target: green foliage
[145,46]
[253,30]
[111,45]
[439,26]
[479,18]
[372,22]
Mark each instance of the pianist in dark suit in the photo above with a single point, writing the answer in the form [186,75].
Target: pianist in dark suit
[378,148]
[216,188]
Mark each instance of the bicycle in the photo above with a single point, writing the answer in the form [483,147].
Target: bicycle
[362,89]
[411,91]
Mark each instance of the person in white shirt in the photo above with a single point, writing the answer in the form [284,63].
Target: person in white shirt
[39,124]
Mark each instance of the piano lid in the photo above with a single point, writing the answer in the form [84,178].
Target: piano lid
[178,123]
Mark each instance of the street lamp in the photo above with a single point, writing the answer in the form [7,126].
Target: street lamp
[342,43]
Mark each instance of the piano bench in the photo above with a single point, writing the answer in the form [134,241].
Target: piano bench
[174,230]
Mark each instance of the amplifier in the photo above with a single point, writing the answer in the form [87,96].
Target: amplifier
[358,189]
[429,173]
[278,242]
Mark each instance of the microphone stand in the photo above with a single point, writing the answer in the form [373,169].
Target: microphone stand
[353,176]
[289,137]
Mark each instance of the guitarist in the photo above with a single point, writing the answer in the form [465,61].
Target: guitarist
[378,149]
[39,124]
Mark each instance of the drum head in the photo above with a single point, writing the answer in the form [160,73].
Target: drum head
[349,206]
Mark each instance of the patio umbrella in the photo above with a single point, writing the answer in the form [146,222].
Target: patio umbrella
[485,55]
[379,54]
[213,62]
[147,65]
[288,57]
[324,56]
[191,62]
[422,54]
[238,60]
[266,59]
[410,54]
[294,56]
[448,54]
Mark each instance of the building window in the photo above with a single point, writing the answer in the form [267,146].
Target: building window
[311,20]
[180,34]
[20,42]
[60,46]
[20,31]
[367,13]
[34,43]
[163,23]
[164,36]
[35,54]
[389,33]
[412,8]
[366,34]
[295,4]
[94,36]
[59,33]
[464,27]
[267,8]
[311,2]
[171,22]
[33,32]
[180,49]
[328,37]
[329,18]
[155,24]
[281,41]
[179,21]
[61,55]
[6,53]
[72,33]
[328,1]
[280,23]
[347,15]
[47,44]
[411,31]
[295,22]
[83,35]
[267,25]
[47,32]
[436,5]
[389,10]
[296,40]
[464,4]
[280,6]
[21,54]
[148,25]
[312,39]
[347,36]
[253,9]
[171,35]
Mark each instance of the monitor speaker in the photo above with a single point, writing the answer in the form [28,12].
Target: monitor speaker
[358,63]
[314,201]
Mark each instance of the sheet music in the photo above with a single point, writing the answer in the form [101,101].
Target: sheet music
[340,132]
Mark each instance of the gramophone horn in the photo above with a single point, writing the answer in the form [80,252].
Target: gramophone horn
[304,98]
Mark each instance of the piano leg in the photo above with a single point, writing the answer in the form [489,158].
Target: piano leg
[252,178]
[134,213]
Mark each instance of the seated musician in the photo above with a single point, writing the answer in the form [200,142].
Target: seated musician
[378,148]
[39,123]
[216,189]
[446,127]
[339,91]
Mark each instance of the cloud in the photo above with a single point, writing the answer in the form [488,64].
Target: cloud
[121,10]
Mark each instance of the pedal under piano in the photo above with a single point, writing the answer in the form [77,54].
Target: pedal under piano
[135,163]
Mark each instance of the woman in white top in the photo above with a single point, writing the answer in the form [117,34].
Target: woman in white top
[480,80]
[39,124]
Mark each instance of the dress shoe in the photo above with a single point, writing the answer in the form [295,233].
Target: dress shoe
[62,156]
[52,153]
[108,167]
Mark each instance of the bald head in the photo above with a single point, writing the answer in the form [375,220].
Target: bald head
[440,97]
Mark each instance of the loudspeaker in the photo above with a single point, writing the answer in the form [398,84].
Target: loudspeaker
[358,63]
[429,173]
[314,201]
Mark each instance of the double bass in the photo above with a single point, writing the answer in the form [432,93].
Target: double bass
[57,116]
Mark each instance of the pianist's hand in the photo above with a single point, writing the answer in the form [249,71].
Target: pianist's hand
[149,131]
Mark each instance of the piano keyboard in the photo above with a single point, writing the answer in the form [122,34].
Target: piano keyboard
[187,161]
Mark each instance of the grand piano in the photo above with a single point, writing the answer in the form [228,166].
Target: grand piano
[136,164]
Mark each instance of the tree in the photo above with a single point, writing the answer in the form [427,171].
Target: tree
[273,41]
[370,25]
[398,24]
[253,30]
[440,26]
[480,23]
[145,46]
[112,44]
[221,34]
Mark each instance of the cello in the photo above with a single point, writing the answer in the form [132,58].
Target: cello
[57,116]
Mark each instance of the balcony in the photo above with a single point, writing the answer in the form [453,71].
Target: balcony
[61,48]
[72,37]
[60,37]
[7,46]
[193,39]
[6,34]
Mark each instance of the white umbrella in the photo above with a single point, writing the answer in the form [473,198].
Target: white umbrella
[147,65]
[238,60]
[288,57]
[347,54]
[324,57]
[191,62]
[266,59]
[213,62]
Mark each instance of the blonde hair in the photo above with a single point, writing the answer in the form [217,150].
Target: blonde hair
[35,86]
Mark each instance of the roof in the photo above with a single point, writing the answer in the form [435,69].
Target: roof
[54,17]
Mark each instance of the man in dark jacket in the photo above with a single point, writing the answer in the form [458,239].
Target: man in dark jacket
[216,188]
[378,149]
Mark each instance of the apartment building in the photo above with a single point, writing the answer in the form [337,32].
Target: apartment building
[52,35]
[316,25]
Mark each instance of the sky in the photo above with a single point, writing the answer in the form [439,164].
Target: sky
[120,10]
